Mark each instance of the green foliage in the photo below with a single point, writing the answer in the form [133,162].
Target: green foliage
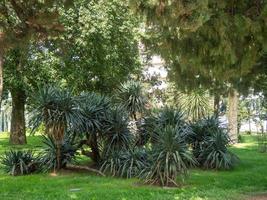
[131,96]
[17,162]
[201,184]
[26,20]
[209,143]
[100,45]
[49,156]
[203,51]
[169,158]
[27,67]
[125,163]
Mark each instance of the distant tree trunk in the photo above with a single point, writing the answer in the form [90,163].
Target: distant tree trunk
[216,105]
[1,72]
[249,124]
[18,132]
[232,115]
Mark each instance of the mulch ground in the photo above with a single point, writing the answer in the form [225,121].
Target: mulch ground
[258,197]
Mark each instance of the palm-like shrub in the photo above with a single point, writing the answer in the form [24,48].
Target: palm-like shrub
[169,157]
[195,104]
[115,134]
[209,143]
[58,110]
[131,96]
[20,162]
[94,108]
[145,128]
[167,116]
[202,129]
[49,156]
[170,116]
[127,163]
[215,155]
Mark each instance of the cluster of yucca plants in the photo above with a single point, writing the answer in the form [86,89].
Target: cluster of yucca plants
[163,147]
[88,120]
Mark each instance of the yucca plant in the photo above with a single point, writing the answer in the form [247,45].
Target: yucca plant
[94,108]
[195,104]
[49,156]
[216,155]
[169,158]
[210,142]
[169,116]
[126,163]
[145,128]
[132,98]
[115,134]
[201,130]
[17,162]
[58,110]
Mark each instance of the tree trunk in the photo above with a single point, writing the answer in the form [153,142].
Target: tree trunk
[216,105]
[1,73]
[18,132]
[94,147]
[232,115]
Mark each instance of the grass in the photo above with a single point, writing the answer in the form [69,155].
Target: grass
[248,178]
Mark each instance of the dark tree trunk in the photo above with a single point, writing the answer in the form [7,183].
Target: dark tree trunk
[18,132]
[94,147]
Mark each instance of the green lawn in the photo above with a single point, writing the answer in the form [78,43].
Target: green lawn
[248,178]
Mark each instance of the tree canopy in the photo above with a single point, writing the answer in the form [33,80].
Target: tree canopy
[99,46]
[207,42]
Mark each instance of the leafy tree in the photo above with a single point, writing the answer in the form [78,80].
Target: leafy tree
[100,45]
[22,21]
[208,42]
